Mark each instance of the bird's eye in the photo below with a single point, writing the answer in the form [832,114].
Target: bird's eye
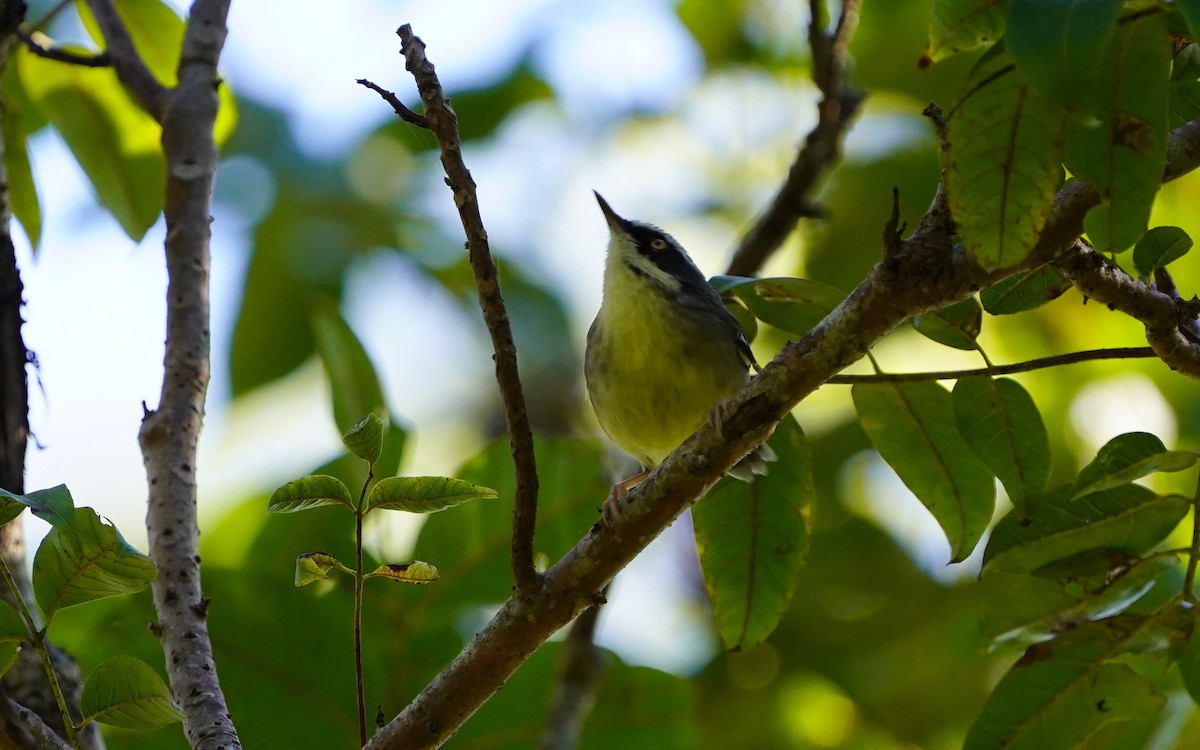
[658,243]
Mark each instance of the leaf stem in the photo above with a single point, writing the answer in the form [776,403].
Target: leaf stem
[359,578]
[1189,579]
[1057,360]
[38,638]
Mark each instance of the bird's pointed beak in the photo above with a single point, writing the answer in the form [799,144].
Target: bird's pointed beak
[615,222]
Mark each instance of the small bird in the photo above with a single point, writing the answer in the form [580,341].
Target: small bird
[664,353]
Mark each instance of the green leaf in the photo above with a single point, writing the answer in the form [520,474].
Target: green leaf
[126,692]
[1024,291]
[1004,162]
[424,494]
[1053,526]
[956,325]
[114,141]
[53,505]
[912,426]
[1001,423]
[1090,585]
[792,305]
[1057,45]
[1123,151]
[1128,457]
[1184,102]
[413,572]
[365,439]
[1188,660]
[13,632]
[9,509]
[1159,247]
[352,378]
[86,561]
[753,540]
[315,566]
[1191,13]
[961,25]
[1063,691]
[310,492]
[22,191]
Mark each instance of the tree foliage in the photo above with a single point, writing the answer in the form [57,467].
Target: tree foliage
[941,558]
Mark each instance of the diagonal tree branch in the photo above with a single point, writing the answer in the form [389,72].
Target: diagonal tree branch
[839,104]
[921,273]
[131,70]
[170,433]
[441,120]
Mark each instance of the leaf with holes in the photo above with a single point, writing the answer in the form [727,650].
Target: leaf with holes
[962,25]
[126,692]
[86,561]
[413,572]
[1003,165]
[315,566]
[912,426]
[1001,423]
[1063,691]
[752,541]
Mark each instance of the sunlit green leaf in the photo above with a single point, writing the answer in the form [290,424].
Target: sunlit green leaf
[310,492]
[912,426]
[1160,247]
[1053,526]
[126,692]
[53,505]
[424,494]
[1001,423]
[352,378]
[114,141]
[1003,166]
[1122,152]
[1063,691]
[315,566]
[1024,291]
[1058,45]
[22,192]
[1128,457]
[752,541]
[956,325]
[792,305]
[85,561]
[961,25]
[365,439]
[413,572]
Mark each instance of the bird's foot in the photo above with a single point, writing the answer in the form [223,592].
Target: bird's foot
[617,501]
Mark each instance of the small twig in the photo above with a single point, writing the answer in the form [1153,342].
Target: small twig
[359,579]
[402,111]
[1057,360]
[1193,552]
[131,69]
[582,667]
[42,46]
[25,727]
[839,104]
[442,121]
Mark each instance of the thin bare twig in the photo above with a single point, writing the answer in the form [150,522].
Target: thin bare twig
[42,46]
[839,104]
[579,676]
[401,109]
[442,121]
[930,273]
[170,433]
[131,69]
[1056,360]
